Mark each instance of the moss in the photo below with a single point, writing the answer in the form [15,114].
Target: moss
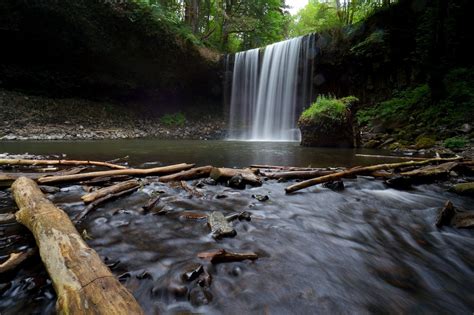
[425,142]
[466,189]
[328,107]
[173,120]
[455,143]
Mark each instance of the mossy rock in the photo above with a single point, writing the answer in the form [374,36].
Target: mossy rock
[425,142]
[465,189]
[372,144]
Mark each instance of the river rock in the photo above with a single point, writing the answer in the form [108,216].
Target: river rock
[466,189]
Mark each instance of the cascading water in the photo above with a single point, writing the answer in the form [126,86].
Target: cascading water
[270,87]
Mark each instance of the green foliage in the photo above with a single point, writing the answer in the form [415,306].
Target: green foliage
[173,120]
[372,45]
[319,15]
[328,107]
[397,108]
[455,143]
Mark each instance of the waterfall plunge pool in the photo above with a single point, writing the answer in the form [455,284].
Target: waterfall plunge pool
[218,153]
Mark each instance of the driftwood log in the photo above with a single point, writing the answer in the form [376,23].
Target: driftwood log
[129,184]
[221,255]
[83,284]
[91,206]
[194,173]
[362,170]
[131,171]
[58,162]
[222,173]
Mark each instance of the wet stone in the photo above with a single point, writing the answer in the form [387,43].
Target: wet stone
[200,296]
[261,198]
[237,182]
[336,186]
[192,272]
[399,182]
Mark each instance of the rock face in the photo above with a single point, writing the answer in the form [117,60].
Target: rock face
[329,132]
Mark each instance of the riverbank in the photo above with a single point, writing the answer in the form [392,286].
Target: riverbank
[32,117]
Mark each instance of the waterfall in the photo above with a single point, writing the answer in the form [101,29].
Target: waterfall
[270,87]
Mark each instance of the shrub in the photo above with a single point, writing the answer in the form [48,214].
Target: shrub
[173,120]
[455,142]
[328,107]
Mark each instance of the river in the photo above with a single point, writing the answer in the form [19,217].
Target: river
[367,249]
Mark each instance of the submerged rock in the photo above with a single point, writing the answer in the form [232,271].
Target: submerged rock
[336,186]
[466,189]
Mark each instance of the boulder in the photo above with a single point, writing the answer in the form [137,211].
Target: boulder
[327,131]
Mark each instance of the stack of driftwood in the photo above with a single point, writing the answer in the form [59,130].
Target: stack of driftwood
[85,285]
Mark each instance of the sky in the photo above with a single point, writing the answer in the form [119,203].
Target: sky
[295,5]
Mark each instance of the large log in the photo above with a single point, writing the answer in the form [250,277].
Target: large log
[193,173]
[83,284]
[223,173]
[90,197]
[58,162]
[131,171]
[361,170]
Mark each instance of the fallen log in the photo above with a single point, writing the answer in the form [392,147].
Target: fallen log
[410,158]
[90,197]
[83,284]
[221,255]
[297,174]
[15,260]
[432,171]
[131,171]
[91,206]
[104,180]
[58,162]
[221,173]
[219,225]
[281,168]
[362,170]
[194,173]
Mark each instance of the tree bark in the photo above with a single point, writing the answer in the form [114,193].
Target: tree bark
[130,171]
[83,284]
[58,162]
[361,170]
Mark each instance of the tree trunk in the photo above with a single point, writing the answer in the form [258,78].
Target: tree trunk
[83,284]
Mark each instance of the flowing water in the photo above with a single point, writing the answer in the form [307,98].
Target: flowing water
[367,249]
[270,87]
